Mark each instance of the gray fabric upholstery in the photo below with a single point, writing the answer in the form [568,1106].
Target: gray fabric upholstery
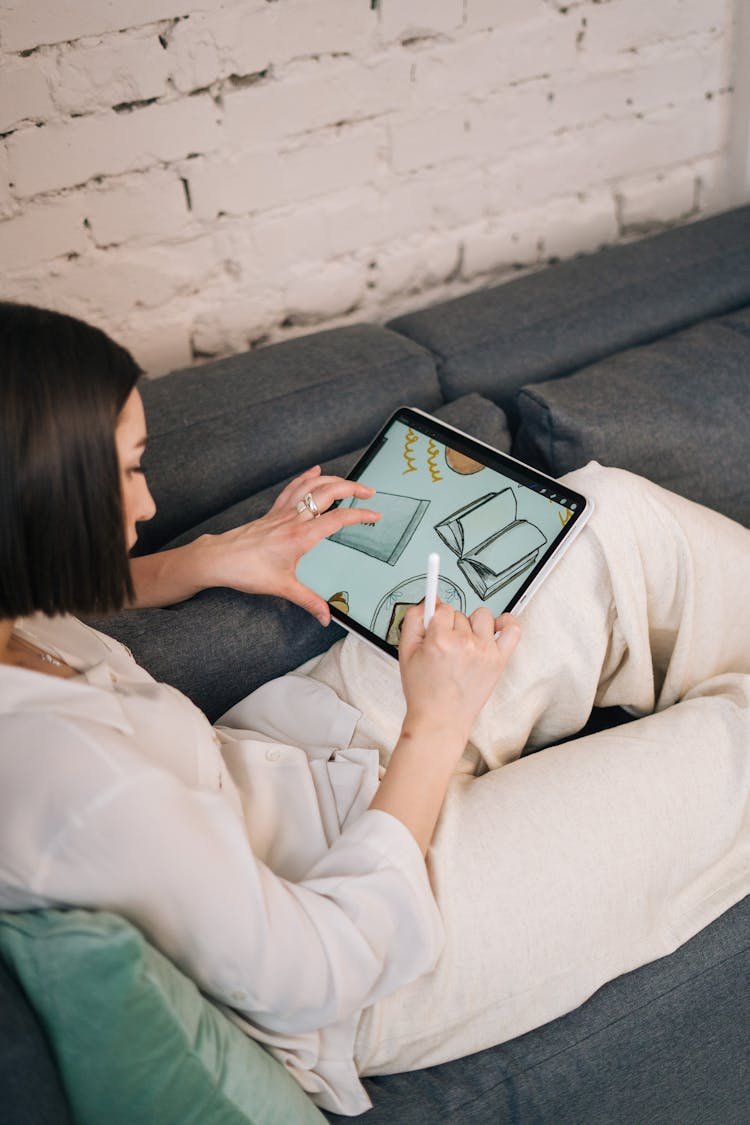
[220,645]
[265,413]
[549,323]
[675,411]
[31,1092]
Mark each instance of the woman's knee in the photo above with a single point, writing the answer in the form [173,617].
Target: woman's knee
[594,479]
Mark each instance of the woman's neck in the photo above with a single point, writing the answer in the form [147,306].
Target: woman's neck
[18,652]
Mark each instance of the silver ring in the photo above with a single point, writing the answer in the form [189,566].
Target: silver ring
[307,504]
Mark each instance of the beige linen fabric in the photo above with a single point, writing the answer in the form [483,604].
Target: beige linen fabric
[557,871]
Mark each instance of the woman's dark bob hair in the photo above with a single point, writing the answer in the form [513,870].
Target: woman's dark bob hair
[62,538]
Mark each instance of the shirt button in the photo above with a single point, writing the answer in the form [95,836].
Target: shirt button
[273,755]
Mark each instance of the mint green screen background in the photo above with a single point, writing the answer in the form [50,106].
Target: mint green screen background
[412,472]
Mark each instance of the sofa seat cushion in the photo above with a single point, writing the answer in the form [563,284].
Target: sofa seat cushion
[553,321]
[675,411]
[30,1088]
[134,1038]
[253,418]
[220,645]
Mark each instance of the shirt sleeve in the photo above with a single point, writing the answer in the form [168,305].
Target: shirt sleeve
[290,956]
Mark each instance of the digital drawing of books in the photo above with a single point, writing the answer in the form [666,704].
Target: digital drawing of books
[387,539]
[493,546]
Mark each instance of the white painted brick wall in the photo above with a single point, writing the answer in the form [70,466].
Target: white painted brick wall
[419,18]
[656,198]
[29,23]
[245,39]
[24,93]
[148,205]
[69,153]
[122,69]
[42,233]
[199,175]
[315,95]
[7,202]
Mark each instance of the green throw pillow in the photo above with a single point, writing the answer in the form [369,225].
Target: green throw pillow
[134,1038]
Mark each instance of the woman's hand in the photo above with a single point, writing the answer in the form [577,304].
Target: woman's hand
[449,670]
[260,557]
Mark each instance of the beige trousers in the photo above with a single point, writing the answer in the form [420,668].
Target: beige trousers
[559,870]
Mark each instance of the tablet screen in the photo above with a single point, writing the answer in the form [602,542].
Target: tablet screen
[495,523]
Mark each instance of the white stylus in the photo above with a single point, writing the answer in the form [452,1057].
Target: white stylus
[430,586]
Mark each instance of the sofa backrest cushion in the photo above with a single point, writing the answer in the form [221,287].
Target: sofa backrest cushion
[267,413]
[134,1038]
[550,323]
[220,645]
[676,412]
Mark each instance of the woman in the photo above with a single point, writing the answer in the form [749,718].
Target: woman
[279,857]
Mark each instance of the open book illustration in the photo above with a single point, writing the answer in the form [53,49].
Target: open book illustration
[387,539]
[493,546]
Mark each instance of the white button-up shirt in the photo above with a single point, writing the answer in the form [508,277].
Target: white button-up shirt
[249,856]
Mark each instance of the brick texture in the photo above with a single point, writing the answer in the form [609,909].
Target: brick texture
[198,176]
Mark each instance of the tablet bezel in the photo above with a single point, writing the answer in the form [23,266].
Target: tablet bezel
[492,458]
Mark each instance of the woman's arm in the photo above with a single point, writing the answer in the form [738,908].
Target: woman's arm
[293,957]
[448,673]
[260,557]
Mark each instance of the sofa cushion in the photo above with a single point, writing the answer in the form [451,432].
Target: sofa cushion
[30,1088]
[551,322]
[134,1038]
[220,645]
[264,413]
[675,411]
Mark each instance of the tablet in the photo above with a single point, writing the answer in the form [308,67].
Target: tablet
[499,526]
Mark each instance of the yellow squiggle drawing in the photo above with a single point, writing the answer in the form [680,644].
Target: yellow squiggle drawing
[564,518]
[411,438]
[433,451]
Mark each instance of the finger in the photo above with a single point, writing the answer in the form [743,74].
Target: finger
[329,489]
[442,619]
[461,623]
[343,517]
[296,487]
[312,529]
[308,600]
[508,637]
[505,619]
[353,487]
[482,622]
[412,631]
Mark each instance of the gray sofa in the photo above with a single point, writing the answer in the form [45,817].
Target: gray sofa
[638,356]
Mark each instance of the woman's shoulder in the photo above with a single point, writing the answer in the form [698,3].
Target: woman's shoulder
[62,742]
[53,755]
[54,767]
[79,644]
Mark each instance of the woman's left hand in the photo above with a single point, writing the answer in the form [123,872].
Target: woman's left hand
[261,557]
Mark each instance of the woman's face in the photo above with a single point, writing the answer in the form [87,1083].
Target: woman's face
[130,439]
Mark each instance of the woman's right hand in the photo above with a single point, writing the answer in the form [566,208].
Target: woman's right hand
[449,669]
